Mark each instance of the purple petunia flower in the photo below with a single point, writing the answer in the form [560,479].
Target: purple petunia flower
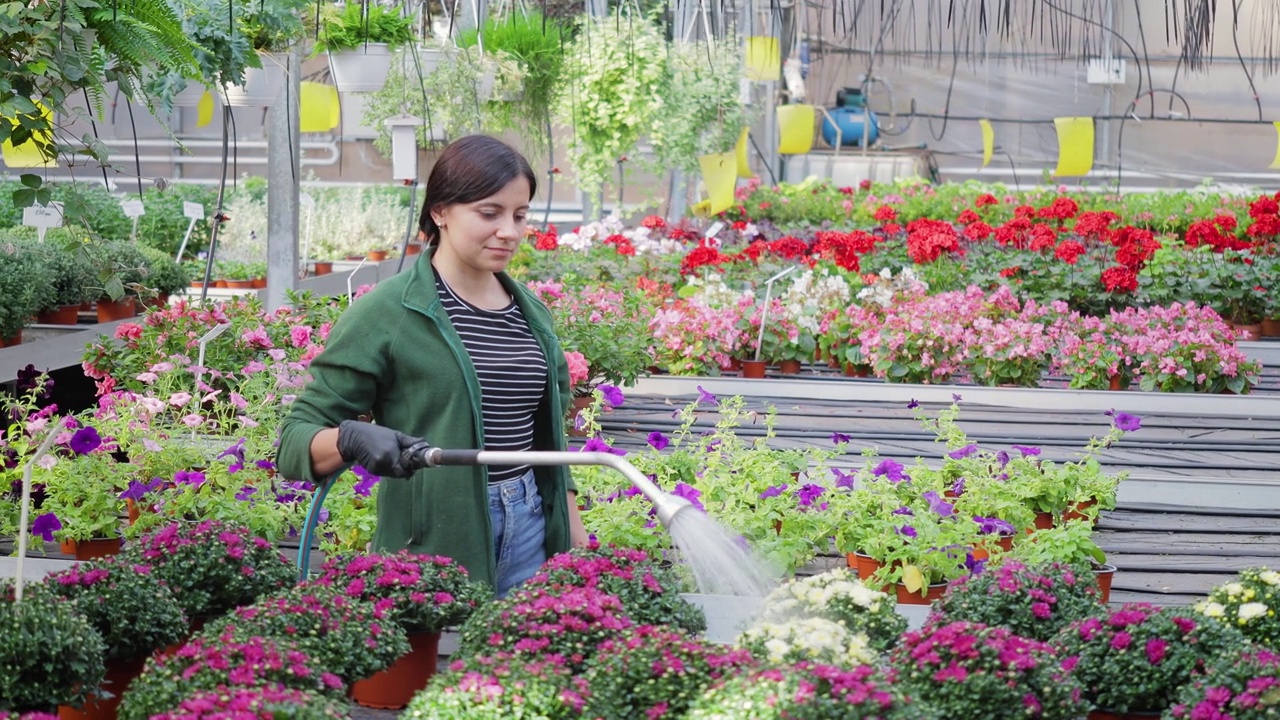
[235,451]
[955,397]
[365,482]
[993,526]
[323,516]
[958,487]
[246,492]
[706,397]
[807,493]
[938,505]
[45,526]
[264,465]
[907,530]
[596,444]
[963,452]
[658,441]
[612,394]
[690,493]
[890,469]
[904,510]
[85,440]
[1125,422]
[843,480]
[136,490]
[1026,451]
[913,404]
[773,491]
[1003,457]
[188,477]
[973,565]
[838,438]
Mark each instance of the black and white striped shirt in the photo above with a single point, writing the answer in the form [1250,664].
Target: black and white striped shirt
[512,371]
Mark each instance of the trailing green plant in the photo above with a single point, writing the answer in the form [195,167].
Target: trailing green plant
[272,26]
[703,87]
[352,25]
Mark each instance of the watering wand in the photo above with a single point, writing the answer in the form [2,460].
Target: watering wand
[667,506]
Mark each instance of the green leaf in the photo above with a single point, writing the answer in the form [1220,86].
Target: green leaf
[114,288]
[31,180]
[24,198]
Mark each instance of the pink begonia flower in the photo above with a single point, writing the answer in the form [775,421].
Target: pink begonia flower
[257,336]
[579,370]
[179,399]
[193,420]
[300,335]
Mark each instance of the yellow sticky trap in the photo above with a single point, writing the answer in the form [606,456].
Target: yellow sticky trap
[719,174]
[1276,163]
[204,109]
[912,578]
[744,167]
[764,59]
[988,141]
[1075,146]
[28,155]
[318,108]
[795,129]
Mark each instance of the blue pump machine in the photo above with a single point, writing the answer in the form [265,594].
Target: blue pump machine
[850,114]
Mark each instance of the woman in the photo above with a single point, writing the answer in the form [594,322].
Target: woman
[456,353]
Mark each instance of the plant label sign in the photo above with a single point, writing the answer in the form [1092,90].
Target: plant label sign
[306,201]
[193,210]
[132,208]
[43,217]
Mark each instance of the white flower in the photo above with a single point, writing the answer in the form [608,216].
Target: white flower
[1270,577]
[1210,609]
[1233,588]
[1249,611]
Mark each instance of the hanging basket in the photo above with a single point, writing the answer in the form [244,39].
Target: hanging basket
[262,86]
[363,69]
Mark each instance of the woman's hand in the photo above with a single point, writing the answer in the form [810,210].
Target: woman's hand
[578,537]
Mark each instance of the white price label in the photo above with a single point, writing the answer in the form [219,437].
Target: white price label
[714,230]
[41,216]
[193,210]
[306,201]
[132,208]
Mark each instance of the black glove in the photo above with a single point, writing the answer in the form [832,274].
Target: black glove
[377,449]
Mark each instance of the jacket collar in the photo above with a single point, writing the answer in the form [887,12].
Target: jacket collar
[422,294]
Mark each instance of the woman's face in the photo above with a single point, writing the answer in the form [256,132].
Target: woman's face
[484,235]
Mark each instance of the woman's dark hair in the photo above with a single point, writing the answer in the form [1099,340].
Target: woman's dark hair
[471,168]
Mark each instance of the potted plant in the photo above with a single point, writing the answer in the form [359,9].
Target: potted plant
[424,593]
[271,26]
[648,591]
[1249,603]
[211,566]
[838,595]
[1239,686]
[1090,354]
[223,54]
[1031,601]
[83,486]
[808,639]
[1136,658]
[70,281]
[616,352]
[1184,348]
[122,274]
[464,87]
[655,671]
[500,685]
[223,664]
[359,39]
[967,669]
[270,699]
[348,637]
[21,280]
[1070,544]
[51,654]
[134,613]
[165,277]
[808,690]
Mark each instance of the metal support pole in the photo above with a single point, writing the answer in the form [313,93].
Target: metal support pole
[284,174]
[1108,55]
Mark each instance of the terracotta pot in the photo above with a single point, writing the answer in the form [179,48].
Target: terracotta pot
[580,403]
[392,688]
[354,258]
[221,283]
[135,512]
[86,306]
[258,283]
[1271,328]
[981,552]
[1105,575]
[735,365]
[1101,714]
[905,597]
[65,315]
[864,564]
[377,255]
[159,302]
[1044,521]
[1247,333]
[238,284]
[200,284]
[14,340]
[412,249]
[119,675]
[851,370]
[1115,382]
[322,268]
[1077,511]
[789,367]
[833,362]
[90,549]
[754,368]
[124,308]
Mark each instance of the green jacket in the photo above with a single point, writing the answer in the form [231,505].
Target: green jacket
[394,352]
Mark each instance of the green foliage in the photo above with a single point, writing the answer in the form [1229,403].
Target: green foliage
[811,692]
[1031,601]
[1069,543]
[1250,603]
[704,84]
[51,655]
[272,25]
[164,275]
[350,26]
[23,284]
[133,611]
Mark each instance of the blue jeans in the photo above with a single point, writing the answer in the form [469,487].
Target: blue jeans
[519,530]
